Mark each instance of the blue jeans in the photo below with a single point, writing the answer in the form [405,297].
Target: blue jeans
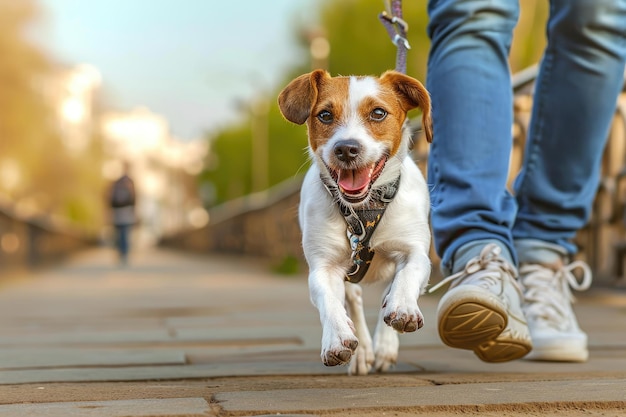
[580,77]
[122,240]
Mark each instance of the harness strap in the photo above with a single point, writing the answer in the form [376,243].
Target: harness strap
[361,224]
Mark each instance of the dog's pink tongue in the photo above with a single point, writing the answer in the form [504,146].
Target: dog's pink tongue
[353,181]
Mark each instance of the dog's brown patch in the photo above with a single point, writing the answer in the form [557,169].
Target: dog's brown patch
[332,97]
[310,94]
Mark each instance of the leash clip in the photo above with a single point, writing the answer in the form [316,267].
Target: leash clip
[402,39]
[395,20]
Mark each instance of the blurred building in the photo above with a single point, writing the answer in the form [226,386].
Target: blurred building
[82,150]
[69,94]
[164,169]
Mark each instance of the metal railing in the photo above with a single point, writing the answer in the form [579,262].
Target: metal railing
[29,242]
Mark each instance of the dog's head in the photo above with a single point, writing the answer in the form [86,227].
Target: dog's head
[356,125]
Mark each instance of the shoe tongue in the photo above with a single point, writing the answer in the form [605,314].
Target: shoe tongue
[354,180]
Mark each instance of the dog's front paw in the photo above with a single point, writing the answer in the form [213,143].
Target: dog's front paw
[341,353]
[403,318]
[404,322]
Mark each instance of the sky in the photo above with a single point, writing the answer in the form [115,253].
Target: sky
[192,61]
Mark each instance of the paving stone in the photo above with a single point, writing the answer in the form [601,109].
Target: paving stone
[306,336]
[171,407]
[70,357]
[442,360]
[133,373]
[270,318]
[581,391]
[284,415]
[230,321]
[69,338]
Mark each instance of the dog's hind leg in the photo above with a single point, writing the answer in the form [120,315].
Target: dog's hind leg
[363,358]
[386,342]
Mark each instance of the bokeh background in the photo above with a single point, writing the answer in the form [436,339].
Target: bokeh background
[185,91]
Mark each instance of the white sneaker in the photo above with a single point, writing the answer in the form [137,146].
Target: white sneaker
[547,306]
[481,311]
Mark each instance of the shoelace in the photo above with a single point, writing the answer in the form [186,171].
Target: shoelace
[547,292]
[488,266]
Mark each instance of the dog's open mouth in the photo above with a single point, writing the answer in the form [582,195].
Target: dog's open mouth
[355,184]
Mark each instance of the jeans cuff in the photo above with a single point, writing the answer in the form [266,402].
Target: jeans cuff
[539,251]
[471,250]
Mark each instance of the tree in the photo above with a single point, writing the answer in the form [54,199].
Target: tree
[21,108]
[37,172]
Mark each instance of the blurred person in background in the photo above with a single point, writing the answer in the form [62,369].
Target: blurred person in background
[509,257]
[122,203]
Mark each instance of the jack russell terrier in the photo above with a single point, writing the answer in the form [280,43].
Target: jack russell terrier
[359,144]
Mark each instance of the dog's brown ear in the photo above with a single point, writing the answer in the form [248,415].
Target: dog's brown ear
[297,99]
[413,94]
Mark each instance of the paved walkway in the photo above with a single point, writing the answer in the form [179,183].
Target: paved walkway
[182,335]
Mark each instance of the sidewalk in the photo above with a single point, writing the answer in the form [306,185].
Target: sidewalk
[183,335]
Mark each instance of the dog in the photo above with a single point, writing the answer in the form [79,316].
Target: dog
[359,141]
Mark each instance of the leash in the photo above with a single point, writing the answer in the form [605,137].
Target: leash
[396,29]
[362,223]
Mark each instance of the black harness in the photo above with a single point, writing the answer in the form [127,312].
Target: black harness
[361,224]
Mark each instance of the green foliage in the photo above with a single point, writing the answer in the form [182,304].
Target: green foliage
[360,44]
[529,37]
[289,265]
[288,156]
[229,170]
[21,109]
[231,160]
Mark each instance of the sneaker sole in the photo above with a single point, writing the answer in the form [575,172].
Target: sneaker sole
[469,319]
[502,349]
[557,355]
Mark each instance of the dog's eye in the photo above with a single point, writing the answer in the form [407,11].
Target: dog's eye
[325,117]
[378,114]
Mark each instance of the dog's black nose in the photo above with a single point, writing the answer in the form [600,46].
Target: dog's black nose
[347,150]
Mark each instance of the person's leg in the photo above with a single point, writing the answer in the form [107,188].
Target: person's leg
[470,85]
[579,79]
[576,91]
[472,211]
[123,242]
